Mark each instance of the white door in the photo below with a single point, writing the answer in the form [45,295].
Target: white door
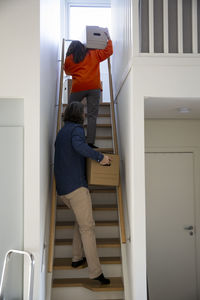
[11,207]
[171,266]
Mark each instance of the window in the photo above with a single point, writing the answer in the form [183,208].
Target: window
[79,17]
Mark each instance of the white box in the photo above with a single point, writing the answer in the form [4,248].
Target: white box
[95,37]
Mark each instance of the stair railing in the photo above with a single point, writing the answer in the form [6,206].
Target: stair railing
[5,269]
[53,192]
[114,133]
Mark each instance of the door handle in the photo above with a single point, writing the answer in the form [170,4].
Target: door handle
[189,227]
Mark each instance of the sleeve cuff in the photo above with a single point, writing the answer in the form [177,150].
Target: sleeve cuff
[100,157]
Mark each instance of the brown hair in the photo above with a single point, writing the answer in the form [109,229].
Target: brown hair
[74,113]
[78,51]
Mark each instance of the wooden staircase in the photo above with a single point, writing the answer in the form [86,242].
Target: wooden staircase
[67,283]
[70,283]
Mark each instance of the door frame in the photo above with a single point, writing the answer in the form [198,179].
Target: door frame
[196,163]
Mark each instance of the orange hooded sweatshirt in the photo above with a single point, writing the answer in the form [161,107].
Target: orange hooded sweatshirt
[86,74]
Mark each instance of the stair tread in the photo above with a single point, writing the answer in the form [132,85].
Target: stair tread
[95,207]
[65,263]
[105,150]
[101,125]
[101,243]
[98,190]
[100,104]
[70,224]
[115,284]
[101,115]
[103,137]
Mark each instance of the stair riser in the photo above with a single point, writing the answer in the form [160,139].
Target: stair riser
[67,215]
[108,198]
[66,251]
[108,270]
[100,232]
[104,143]
[99,198]
[83,294]
[102,131]
[102,109]
[101,120]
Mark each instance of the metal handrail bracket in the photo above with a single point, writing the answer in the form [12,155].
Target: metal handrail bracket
[5,269]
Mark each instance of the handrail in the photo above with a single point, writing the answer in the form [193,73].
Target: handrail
[119,189]
[53,193]
[31,272]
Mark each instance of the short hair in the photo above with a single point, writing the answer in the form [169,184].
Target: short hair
[78,51]
[74,113]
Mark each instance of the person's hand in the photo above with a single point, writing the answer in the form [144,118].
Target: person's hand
[107,33]
[105,161]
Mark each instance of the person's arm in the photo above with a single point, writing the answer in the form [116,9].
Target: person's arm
[103,54]
[80,146]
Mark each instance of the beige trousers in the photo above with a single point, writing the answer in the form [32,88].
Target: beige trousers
[84,234]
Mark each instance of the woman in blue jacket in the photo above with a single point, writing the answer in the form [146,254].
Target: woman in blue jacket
[71,150]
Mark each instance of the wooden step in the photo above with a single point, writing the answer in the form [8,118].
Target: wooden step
[97,190]
[65,263]
[100,104]
[101,125]
[102,115]
[101,243]
[68,225]
[93,285]
[105,150]
[97,207]
[103,137]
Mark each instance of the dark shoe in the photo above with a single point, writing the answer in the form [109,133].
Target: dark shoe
[102,279]
[92,146]
[76,264]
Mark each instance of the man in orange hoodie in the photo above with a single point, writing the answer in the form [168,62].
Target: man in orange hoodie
[83,65]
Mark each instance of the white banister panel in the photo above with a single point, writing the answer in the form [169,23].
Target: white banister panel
[194,27]
[169,26]
[180,26]
[166,26]
[151,26]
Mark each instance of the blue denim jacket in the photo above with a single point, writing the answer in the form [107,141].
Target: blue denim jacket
[71,150]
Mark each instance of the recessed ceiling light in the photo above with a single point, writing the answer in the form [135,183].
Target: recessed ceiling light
[184,110]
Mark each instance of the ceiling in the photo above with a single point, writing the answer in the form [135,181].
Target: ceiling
[172,108]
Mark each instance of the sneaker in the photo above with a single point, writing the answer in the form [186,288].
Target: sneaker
[76,264]
[102,279]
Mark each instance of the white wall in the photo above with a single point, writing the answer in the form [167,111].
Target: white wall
[149,77]
[20,78]
[49,50]
[131,144]
[122,34]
